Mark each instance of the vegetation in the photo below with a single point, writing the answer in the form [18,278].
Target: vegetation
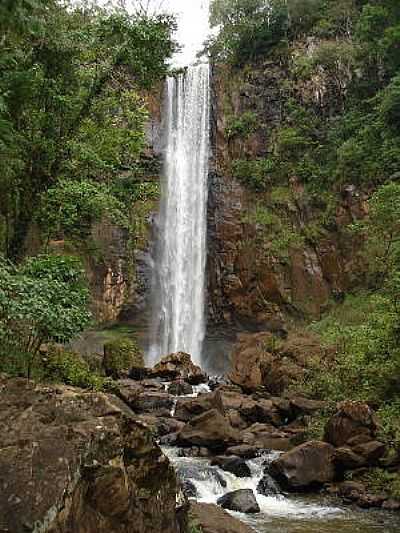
[42,300]
[71,105]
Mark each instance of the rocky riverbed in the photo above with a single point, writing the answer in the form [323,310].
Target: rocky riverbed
[76,461]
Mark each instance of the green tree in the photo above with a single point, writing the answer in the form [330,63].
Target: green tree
[43,300]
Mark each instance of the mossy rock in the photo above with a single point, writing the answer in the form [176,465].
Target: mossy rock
[120,356]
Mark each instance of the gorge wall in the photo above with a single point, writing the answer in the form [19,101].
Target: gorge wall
[283,251]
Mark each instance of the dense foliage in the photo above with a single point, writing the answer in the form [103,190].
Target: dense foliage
[70,98]
[44,299]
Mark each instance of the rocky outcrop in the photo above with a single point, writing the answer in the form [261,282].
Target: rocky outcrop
[210,430]
[179,365]
[353,423]
[235,465]
[261,359]
[212,519]
[74,461]
[308,466]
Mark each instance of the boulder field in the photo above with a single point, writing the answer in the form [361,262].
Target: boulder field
[73,461]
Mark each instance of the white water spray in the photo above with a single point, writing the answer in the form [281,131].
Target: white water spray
[179,284]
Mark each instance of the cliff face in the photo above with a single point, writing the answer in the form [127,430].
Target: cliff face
[262,269]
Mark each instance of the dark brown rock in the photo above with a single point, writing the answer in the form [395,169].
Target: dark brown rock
[371,451]
[391,505]
[212,519]
[187,408]
[347,459]
[234,465]
[210,430]
[352,419]
[179,365]
[79,461]
[155,403]
[180,388]
[306,466]
[243,450]
[267,437]
[242,501]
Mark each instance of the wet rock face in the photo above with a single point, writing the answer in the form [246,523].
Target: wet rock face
[305,467]
[242,501]
[72,461]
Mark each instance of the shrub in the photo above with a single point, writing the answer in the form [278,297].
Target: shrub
[70,368]
[241,126]
[120,356]
[254,174]
[43,300]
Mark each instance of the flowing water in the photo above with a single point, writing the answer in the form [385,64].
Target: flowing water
[280,513]
[179,280]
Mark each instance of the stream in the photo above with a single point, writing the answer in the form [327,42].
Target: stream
[280,513]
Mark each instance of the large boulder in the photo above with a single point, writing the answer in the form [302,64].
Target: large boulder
[79,461]
[250,410]
[267,437]
[354,423]
[179,365]
[242,501]
[262,359]
[210,518]
[187,408]
[210,430]
[306,466]
[120,356]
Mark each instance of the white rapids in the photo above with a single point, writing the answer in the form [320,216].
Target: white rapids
[179,277]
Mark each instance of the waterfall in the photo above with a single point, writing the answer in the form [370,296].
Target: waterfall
[179,272]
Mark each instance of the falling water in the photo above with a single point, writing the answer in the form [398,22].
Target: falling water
[179,281]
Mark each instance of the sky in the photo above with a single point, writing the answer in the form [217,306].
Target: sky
[192,18]
[193,27]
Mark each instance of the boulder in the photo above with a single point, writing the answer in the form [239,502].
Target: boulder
[262,359]
[303,406]
[267,486]
[120,356]
[210,430]
[234,465]
[79,461]
[347,459]
[244,450]
[187,408]
[305,467]
[352,420]
[179,365]
[267,437]
[371,451]
[180,388]
[210,518]
[154,403]
[242,501]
